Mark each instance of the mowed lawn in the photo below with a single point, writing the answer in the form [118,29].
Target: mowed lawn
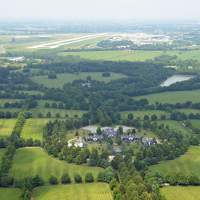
[142,113]
[6,127]
[181,193]
[173,97]
[10,194]
[115,55]
[33,128]
[30,161]
[68,78]
[187,164]
[93,191]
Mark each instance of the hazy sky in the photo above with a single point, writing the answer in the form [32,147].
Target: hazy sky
[100,9]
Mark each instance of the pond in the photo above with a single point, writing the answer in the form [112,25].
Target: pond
[176,78]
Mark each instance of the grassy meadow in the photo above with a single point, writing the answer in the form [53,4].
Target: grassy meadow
[187,164]
[173,97]
[33,128]
[10,194]
[181,193]
[2,151]
[68,78]
[93,191]
[195,123]
[30,161]
[6,127]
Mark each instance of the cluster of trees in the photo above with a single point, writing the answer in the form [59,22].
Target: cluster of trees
[6,164]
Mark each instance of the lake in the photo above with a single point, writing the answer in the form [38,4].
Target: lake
[176,78]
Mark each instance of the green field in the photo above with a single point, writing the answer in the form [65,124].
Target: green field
[54,111]
[181,193]
[116,55]
[30,161]
[173,97]
[175,126]
[195,123]
[6,127]
[10,194]
[3,101]
[187,164]
[142,113]
[93,191]
[128,55]
[68,78]
[188,111]
[33,128]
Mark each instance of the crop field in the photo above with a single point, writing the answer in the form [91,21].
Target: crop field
[142,113]
[93,191]
[187,164]
[63,113]
[116,55]
[30,161]
[173,97]
[33,128]
[175,126]
[6,127]
[10,194]
[181,193]
[68,78]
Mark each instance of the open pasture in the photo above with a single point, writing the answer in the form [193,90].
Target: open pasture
[187,164]
[6,127]
[68,78]
[31,161]
[173,97]
[93,191]
[181,193]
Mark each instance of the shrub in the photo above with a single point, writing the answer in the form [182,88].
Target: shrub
[89,178]
[65,179]
[77,178]
[53,180]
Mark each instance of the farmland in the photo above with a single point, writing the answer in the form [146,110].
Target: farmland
[33,129]
[6,127]
[173,97]
[188,164]
[181,193]
[33,161]
[10,194]
[195,123]
[92,191]
[68,78]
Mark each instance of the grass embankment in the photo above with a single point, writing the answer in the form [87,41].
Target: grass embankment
[30,161]
[187,164]
[93,191]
